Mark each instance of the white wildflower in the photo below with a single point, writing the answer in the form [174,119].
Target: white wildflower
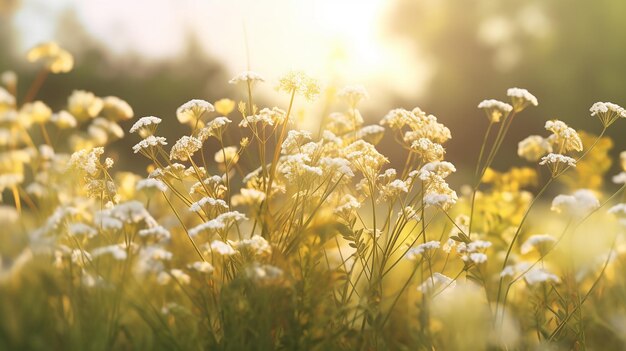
[495,110]
[201,267]
[184,148]
[247,76]
[148,122]
[151,183]
[521,98]
[414,253]
[222,248]
[539,242]
[580,203]
[207,200]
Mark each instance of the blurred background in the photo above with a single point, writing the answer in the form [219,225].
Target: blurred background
[444,56]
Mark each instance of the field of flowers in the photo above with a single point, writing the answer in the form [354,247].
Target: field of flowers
[249,233]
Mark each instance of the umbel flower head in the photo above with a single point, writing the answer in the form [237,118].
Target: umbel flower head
[55,59]
[300,84]
[353,94]
[495,110]
[607,112]
[521,98]
[247,77]
[184,148]
[193,110]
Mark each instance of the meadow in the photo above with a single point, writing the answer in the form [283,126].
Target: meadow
[251,233]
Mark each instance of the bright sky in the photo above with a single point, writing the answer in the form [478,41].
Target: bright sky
[334,40]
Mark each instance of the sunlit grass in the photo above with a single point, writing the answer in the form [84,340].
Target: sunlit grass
[250,233]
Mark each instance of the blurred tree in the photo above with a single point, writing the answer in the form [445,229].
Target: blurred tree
[151,87]
[570,54]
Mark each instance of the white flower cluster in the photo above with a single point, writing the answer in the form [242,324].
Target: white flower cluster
[495,110]
[148,122]
[222,221]
[580,203]
[521,98]
[414,253]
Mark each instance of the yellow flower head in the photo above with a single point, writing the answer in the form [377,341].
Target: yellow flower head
[224,106]
[84,105]
[56,59]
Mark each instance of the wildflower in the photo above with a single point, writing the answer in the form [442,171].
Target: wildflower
[196,206]
[267,117]
[87,161]
[353,94]
[554,162]
[421,249]
[202,267]
[184,148]
[84,105]
[148,123]
[116,109]
[132,212]
[6,98]
[224,106]
[440,199]
[398,118]
[373,134]
[222,248]
[295,167]
[620,178]
[180,276]
[214,128]
[247,77]
[193,110]
[338,165]
[55,59]
[533,148]
[540,275]
[158,232]
[421,126]
[9,80]
[348,204]
[389,192]
[607,112]
[299,83]
[365,157]
[220,222]
[478,257]
[495,110]
[157,253]
[264,274]
[248,197]
[619,209]
[80,229]
[540,242]
[80,257]
[107,128]
[148,145]
[151,183]
[63,119]
[478,245]
[116,251]
[427,150]
[294,139]
[436,283]
[435,169]
[35,112]
[227,155]
[564,137]
[580,203]
[256,244]
[521,98]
